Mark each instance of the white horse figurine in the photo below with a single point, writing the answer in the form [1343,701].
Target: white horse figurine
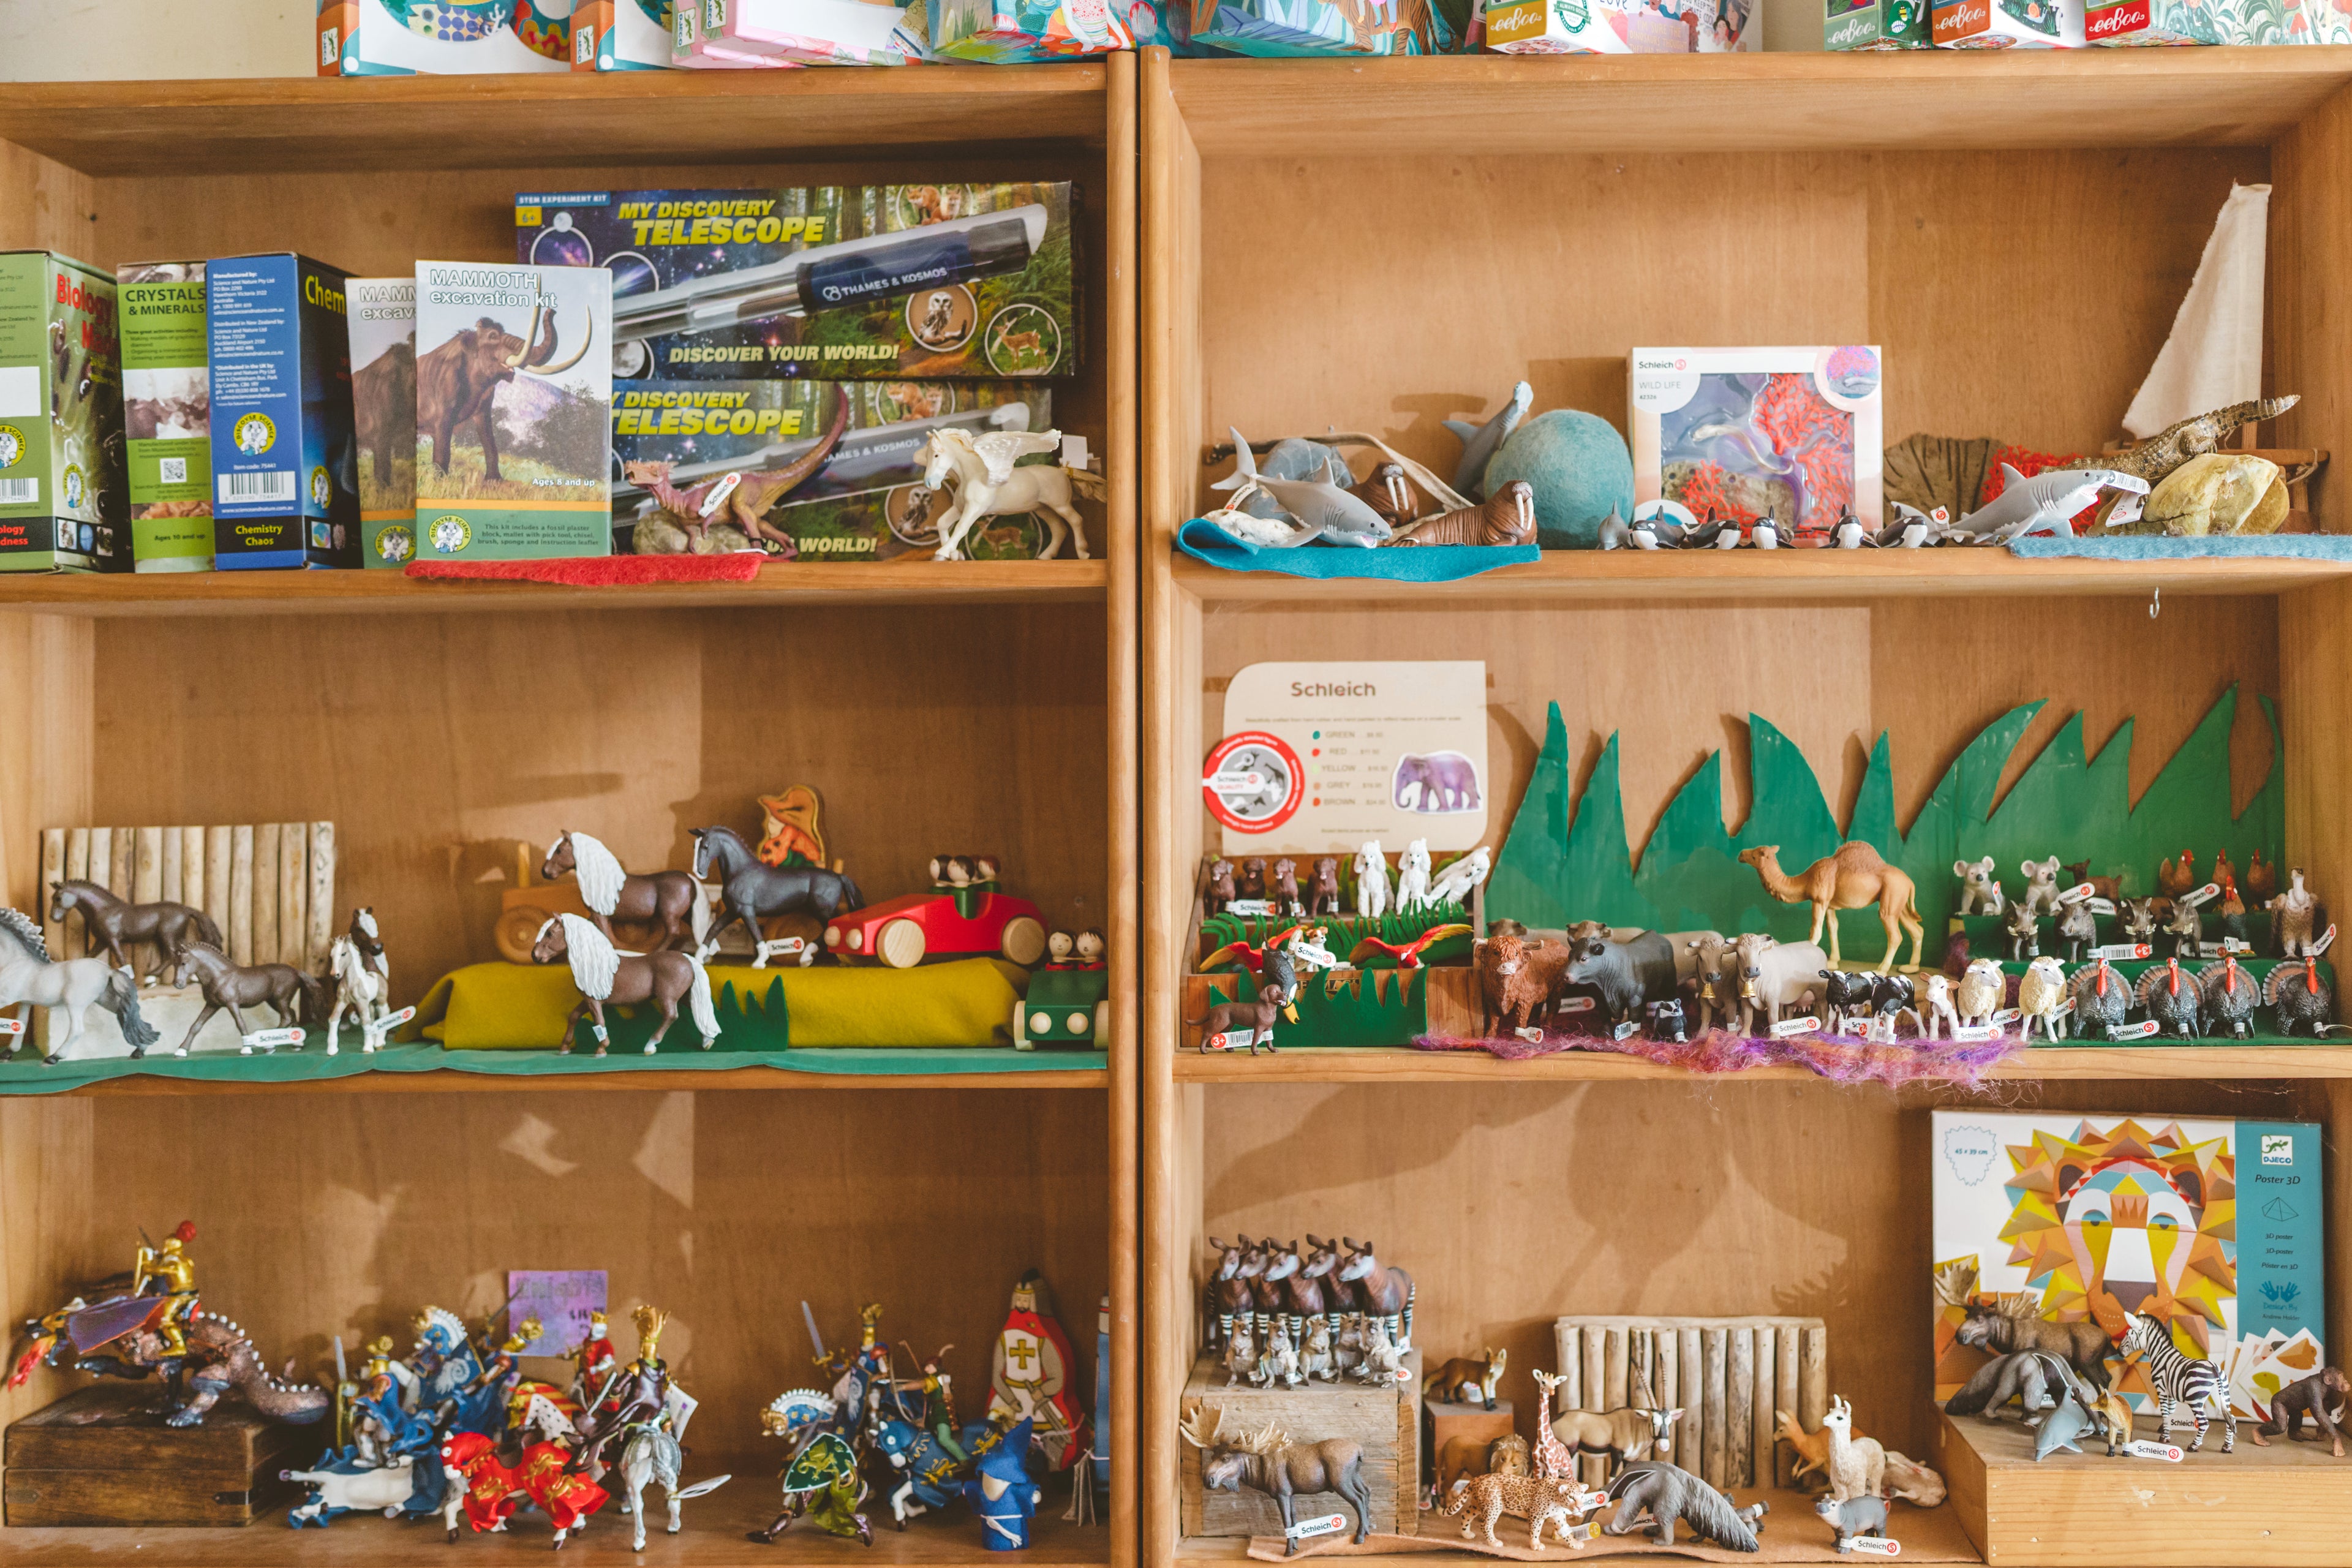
[651,1454]
[989,485]
[65,988]
[1371,880]
[362,990]
[1412,876]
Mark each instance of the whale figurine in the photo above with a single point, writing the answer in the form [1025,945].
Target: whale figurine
[1480,442]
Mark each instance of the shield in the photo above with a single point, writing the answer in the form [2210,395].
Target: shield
[108,1322]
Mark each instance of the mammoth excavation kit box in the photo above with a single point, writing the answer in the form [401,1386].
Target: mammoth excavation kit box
[383,411]
[61,504]
[167,415]
[835,467]
[834,283]
[284,486]
[514,396]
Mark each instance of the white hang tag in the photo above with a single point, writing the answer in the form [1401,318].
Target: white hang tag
[2226,945]
[391,1021]
[2139,1031]
[2141,1448]
[2210,890]
[1231,1040]
[718,494]
[2100,906]
[1322,1524]
[1315,957]
[1074,446]
[1975,1031]
[2077,893]
[1874,1545]
[2115,950]
[270,1039]
[1626,1030]
[1578,1534]
[1532,1035]
[2322,944]
[1249,907]
[12,1025]
[2126,509]
[1576,1003]
[1786,1027]
[784,946]
[2004,1015]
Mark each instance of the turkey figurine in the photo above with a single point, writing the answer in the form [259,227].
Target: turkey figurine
[2304,1000]
[2231,997]
[2170,996]
[2041,998]
[2102,1000]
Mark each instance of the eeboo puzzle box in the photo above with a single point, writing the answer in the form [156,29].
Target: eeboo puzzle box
[1789,434]
[443,38]
[2213,1227]
[284,486]
[931,282]
[62,505]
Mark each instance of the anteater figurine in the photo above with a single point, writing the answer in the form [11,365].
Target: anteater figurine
[1670,1494]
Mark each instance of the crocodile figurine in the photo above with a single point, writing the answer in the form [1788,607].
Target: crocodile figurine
[2167,449]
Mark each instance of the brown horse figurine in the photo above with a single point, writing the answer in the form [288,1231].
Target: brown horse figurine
[112,923]
[289,992]
[1855,878]
[664,897]
[606,975]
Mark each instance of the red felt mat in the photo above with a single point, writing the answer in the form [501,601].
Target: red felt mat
[603,571]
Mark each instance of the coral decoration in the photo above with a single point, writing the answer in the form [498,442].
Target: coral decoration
[1708,492]
[1837,1057]
[2028,463]
[1813,438]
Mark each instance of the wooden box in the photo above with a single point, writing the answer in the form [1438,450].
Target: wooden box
[98,1457]
[1386,1420]
[2284,1504]
[1472,1422]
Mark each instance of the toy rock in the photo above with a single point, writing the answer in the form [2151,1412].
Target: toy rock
[2220,492]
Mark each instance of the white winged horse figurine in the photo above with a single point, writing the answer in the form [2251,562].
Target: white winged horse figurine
[989,485]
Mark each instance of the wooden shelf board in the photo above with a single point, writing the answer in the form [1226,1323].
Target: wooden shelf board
[713,1538]
[815,583]
[1930,100]
[302,124]
[1625,575]
[1402,1065]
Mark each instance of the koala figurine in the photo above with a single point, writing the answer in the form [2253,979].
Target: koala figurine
[1979,889]
[1855,1516]
[2041,895]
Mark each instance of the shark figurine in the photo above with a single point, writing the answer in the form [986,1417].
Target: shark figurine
[1325,511]
[1480,442]
[2059,1428]
[2046,503]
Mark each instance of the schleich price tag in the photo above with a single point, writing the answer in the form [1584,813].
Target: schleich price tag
[393,1020]
[12,1025]
[2139,1031]
[2210,890]
[1231,1040]
[1576,1004]
[2141,1448]
[1786,1027]
[270,1039]
[2227,945]
[2115,950]
[1322,1524]
[2101,905]
[1532,1035]
[1874,1545]
[2003,1016]
[1578,1534]
[2077,893]
[1249,907]
[719,492]
[2325,939]
[1626,1030]
[1975,1031]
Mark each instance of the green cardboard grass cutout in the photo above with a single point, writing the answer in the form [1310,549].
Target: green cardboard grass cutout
[1565,860]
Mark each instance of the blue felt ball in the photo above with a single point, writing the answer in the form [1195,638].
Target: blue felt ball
[1580,469]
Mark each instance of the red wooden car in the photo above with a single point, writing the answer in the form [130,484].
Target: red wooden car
[902,932]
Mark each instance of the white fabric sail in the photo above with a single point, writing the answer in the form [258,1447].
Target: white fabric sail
[2215,355]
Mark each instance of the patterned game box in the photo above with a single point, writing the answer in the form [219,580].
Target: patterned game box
[834,282]
[1616,27]
[2215,1227]
[675,442]
[62,504]
[1016,32]
[443,38]
[736,34]
[2008,23]
[1875,24]
[621,35]
[1789,434]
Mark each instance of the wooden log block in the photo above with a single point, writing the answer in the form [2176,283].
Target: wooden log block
[192,867]
[174,883]
[146,865]
[1617,1358]
[1569,1396]
[264,893]
[53,870]
[1784,1468]
[1813,1377]
[1760,1447]
[1718,1350]
[90,1459]
[1739,1407]
[294,894]
[1692,1354]
[220,854]
[1641,1369]
[99,871]
[323,907]
[238,927]
[1594,1472]
[1669,1388]
[121,881]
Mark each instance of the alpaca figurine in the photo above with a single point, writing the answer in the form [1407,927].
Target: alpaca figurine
[1857,1464]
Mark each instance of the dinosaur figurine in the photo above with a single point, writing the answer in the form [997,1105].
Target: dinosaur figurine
[1481,442]
[2046,503]
[742,500]
[2166,451]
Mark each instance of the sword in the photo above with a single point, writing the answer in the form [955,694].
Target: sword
[815,1338]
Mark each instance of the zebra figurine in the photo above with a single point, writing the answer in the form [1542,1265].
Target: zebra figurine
[2192,1385]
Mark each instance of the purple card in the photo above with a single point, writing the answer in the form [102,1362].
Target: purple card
[561,1298]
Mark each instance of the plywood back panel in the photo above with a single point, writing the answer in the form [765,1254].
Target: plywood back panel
[1510,1208]
[1432,284]
[728,1209]
[43,205]
[437,744]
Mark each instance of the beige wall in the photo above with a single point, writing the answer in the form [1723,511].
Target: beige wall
[92,40]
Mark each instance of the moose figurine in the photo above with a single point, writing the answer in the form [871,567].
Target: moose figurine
[1272,1463]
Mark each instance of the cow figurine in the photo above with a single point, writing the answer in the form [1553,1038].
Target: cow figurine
[1628,974]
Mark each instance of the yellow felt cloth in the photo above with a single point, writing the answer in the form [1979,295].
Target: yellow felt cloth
[492,1006]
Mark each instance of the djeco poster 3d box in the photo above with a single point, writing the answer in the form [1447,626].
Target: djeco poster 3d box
[1792,435]
[2215,1227]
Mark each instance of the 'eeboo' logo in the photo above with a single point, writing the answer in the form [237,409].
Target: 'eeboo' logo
[1960,20]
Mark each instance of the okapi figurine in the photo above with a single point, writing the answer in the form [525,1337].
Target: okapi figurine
[1302,1292]
[1380,1292]
[1231,1299]
[1322,1266]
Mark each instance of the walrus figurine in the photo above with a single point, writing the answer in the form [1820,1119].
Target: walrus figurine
[1506,517]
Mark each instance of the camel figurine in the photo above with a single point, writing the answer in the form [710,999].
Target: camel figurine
[1852,879]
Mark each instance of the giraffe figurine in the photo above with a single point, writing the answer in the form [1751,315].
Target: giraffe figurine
[1554,1461]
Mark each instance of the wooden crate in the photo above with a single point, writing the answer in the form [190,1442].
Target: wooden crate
[1386,1420]
[99,1458]
[1443,1422]
[2286,1504]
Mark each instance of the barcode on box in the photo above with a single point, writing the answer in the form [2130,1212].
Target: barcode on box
[172,470]
[19,492]
[256,487]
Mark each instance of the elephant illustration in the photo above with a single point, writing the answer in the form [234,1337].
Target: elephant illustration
[1448,781]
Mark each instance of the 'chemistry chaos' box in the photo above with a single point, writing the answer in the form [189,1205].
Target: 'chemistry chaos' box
[834,282]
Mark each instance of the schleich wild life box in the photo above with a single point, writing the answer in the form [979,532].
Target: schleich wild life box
[2211,1227]
[833,468]
[1786,436]
[834,283]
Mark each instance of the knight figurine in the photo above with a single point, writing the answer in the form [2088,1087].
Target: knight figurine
[1030,1375]
[168,1271]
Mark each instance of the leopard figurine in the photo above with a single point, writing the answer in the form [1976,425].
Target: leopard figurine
[1559,1502]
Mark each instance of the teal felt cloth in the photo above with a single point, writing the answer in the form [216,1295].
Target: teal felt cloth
[2162,547]
[1204,541]
[26,1075]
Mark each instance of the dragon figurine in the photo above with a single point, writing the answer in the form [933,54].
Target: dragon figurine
[120,1336]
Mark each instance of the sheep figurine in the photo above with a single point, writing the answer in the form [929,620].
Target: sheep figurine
[2041,998]
[2230,996]
[2102,1000]
[2304,1001]
[2173,1000]
[1982,992]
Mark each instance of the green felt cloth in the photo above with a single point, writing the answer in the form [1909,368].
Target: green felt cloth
[938,1006]
[28,1076]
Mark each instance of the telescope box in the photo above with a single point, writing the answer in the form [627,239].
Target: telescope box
[865,499]
[930,282]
